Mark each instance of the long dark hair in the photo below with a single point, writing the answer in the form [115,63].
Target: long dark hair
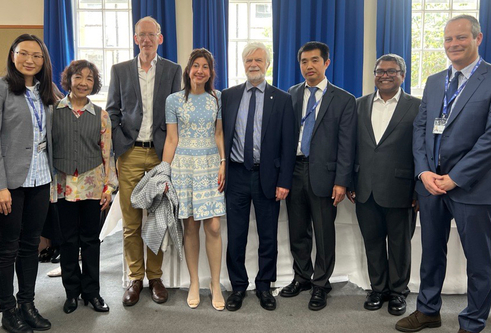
[17,82]
[200,53]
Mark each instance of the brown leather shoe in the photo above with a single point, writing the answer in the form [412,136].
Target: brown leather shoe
[159,293]
[132,294]
[416,321]
[463,331]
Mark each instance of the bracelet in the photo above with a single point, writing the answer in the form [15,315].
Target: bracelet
[223,160]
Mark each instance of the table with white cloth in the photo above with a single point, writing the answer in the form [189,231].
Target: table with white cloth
[350,264]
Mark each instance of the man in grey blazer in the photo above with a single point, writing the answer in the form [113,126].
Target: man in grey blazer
[384,183]
[136,105]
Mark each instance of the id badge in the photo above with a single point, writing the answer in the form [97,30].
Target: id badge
[41,147]
[439,125]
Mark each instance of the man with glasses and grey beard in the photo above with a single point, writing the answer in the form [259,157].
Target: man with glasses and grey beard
[136,105]
[384,184]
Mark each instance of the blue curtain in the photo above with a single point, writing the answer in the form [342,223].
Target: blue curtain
[164,11]
[58,35]
[338,23]
[485,20]
[394,32]
[210,30]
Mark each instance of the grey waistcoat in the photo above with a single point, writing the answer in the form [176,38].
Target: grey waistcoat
[76,141]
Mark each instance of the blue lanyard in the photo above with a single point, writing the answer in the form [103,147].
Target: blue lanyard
[309,112]
[39,117]
[459,90]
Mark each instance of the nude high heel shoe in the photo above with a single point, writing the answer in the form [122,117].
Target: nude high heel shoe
[192,301]
[217,305]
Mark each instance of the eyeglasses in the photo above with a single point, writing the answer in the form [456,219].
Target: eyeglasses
[142,36]
[389,72]
[35,56]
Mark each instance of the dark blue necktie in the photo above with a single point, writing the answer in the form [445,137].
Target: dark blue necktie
[452,88]
[308,125]
[249,134]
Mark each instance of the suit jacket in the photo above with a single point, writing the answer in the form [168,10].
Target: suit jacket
[386,169]
[124,102]
[465,151]
[332,147]
[277,157]
[16,137]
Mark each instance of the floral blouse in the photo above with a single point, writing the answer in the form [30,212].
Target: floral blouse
[90,184]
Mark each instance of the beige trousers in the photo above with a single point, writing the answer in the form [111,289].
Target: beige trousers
[132,166]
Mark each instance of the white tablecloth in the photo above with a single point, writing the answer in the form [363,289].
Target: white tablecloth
[350,254]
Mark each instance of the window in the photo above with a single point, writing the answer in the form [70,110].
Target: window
[249,21]
[103,36]
[428,21]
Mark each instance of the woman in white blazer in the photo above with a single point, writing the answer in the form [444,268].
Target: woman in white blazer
[26,94]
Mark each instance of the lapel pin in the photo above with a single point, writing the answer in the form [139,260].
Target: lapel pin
[271,97]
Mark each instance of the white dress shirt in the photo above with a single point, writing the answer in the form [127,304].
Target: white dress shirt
[382,113]
[147,83]
[306,95]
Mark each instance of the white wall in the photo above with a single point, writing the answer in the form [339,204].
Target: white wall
[21,12]
[370,45]
[184,26]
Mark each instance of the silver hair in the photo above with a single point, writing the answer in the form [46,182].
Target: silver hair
[475,26]
[252,47]
[395,58]
[149,19]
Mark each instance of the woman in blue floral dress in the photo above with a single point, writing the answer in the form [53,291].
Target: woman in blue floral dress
[194,148]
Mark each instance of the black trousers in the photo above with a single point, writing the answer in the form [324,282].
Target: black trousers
[19,240]
[387,234]
[305,209]
[51,228]
[244,186]
[80,227]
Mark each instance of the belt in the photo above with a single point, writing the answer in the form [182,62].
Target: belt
[147,144]
[255,166]
[302,158]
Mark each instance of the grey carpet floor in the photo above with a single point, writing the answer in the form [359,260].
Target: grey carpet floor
[344,312]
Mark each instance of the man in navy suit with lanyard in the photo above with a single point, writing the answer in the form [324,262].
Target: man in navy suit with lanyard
[452,156]
[325,136]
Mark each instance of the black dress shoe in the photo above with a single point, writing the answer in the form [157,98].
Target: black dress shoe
[70,305]
[32,317]
[397,305]
[55,258]
[318,299]
[98,304]
[234,301]
[46,254]
[13,322]
[294,288]
[374,301]
[268,302]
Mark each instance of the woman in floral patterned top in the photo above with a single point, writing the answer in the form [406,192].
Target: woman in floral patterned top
[85,180]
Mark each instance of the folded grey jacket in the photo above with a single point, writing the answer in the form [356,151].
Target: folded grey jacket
[162,208]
